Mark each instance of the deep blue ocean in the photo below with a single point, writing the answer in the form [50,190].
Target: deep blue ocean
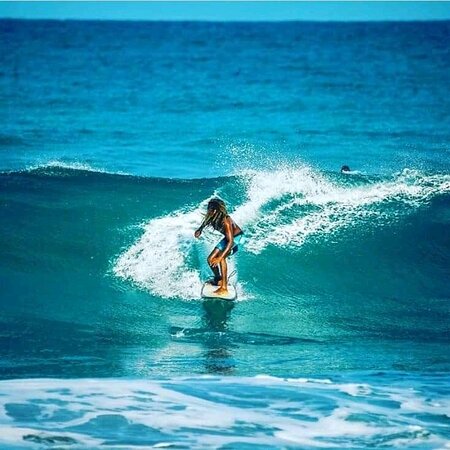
[114,136]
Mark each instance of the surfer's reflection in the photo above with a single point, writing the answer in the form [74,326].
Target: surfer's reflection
[218,358]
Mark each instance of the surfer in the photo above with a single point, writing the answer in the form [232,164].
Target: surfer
[345,169]
[217,217]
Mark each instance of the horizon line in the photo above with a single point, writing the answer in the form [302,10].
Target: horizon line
[73,19]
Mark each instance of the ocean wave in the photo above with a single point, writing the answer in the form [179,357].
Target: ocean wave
[304,203]
[61,168]
[360,411]
[71,166]
[286,207]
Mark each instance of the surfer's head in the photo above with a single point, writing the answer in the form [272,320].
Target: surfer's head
[216,204]
[215,213]
[345,169]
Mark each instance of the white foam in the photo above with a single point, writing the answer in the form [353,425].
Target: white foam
[157,261]
[263,187]
[333,207]
[179,408]
[355,390]
[57,164]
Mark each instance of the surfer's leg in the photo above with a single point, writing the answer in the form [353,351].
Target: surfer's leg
[223,285]
[224,272]
[214,269]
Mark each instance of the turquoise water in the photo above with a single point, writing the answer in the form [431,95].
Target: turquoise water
[114,138]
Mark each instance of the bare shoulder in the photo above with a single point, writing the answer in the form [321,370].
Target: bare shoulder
[228,222]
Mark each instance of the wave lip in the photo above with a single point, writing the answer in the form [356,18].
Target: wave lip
[74,166]
[211,412]
[289,206]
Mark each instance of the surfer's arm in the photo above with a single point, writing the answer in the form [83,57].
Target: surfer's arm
[199,230]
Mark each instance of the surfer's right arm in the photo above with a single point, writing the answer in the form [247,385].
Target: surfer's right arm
[198,231]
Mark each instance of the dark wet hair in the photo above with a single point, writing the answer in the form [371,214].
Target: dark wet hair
[215,215]
[345,169]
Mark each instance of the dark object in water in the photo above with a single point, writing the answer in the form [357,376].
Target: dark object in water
[49,440]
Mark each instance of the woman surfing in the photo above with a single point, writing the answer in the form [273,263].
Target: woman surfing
[217,217]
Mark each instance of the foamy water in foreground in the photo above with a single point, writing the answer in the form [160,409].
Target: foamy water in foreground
[379,410]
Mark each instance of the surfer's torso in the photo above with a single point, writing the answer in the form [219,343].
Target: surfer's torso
[236,230]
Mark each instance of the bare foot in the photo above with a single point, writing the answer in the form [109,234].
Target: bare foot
[221,291]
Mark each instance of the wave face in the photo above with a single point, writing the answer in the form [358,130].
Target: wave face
[333,264]
[223,412]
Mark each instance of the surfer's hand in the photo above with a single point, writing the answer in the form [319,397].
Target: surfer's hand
[215,261]
[197,233]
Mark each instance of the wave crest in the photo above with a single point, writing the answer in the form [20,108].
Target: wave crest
[287,207]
